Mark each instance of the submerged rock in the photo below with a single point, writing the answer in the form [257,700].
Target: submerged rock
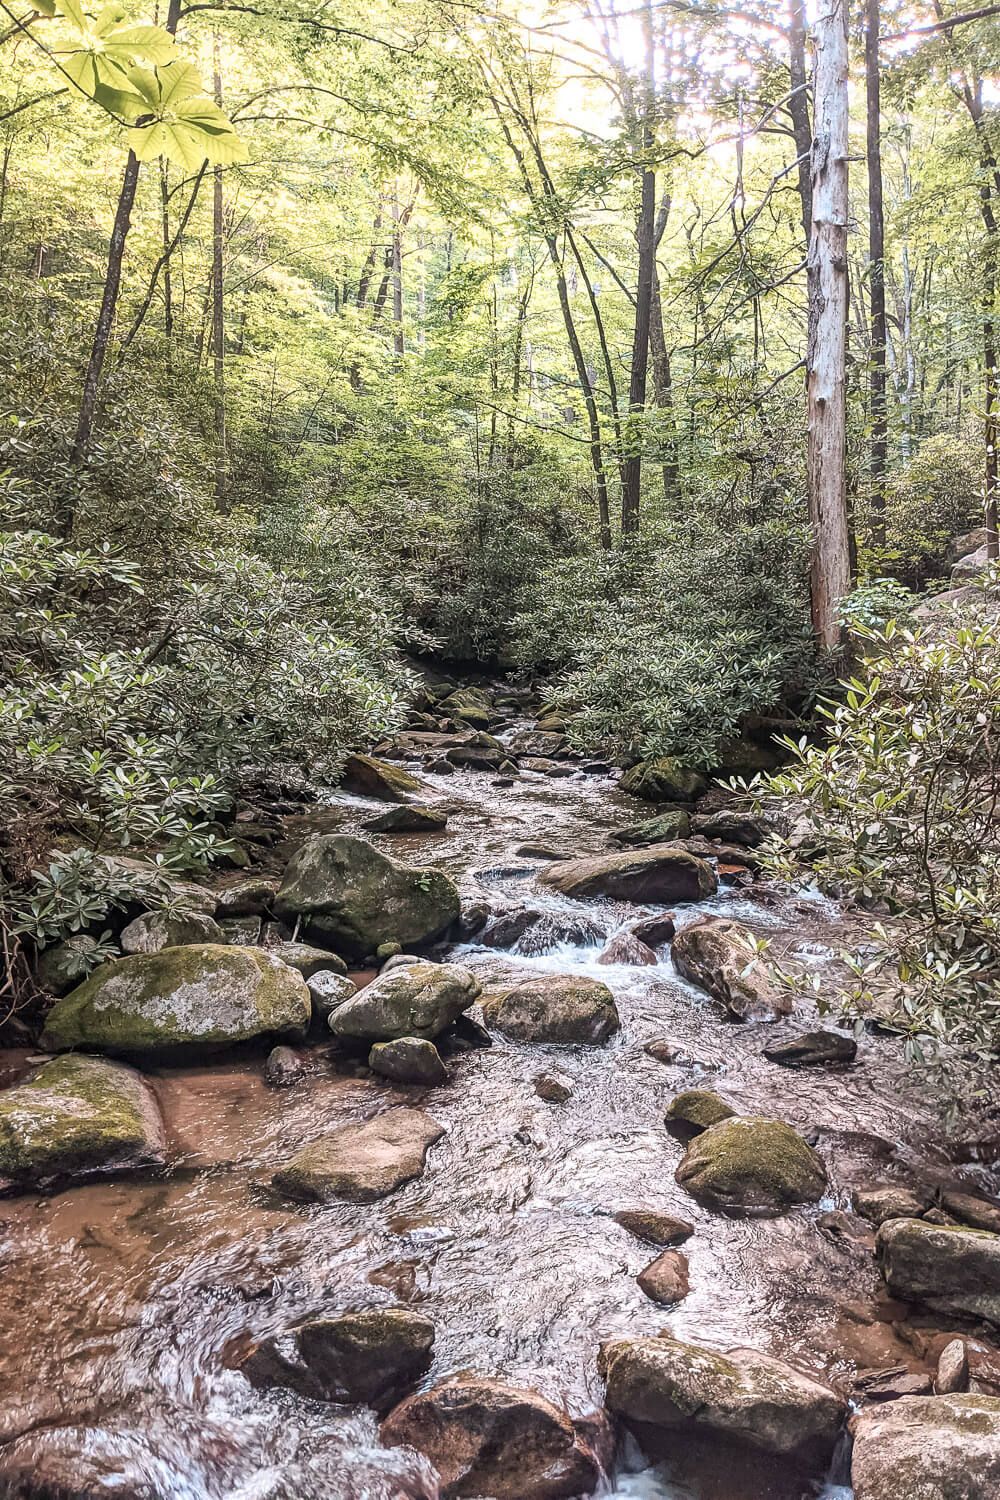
[368,777]
[663,873]
[165,929]
[698,1109]
[665,1280]
[555,1008]
[284,1068]
[716,955]
[655,1228]
[411,1000]
[77,1117]
[948,1268]
[487,1438]
[554,1088]
[626,948]
[663,780]
[928,1448]
[366,1357]
[413,818]
[880,1203]
[683,1389]
[752,1166]
[655,932]
[408,1059]
[181,999]
[356,897]
[813,1049]
[362,1162]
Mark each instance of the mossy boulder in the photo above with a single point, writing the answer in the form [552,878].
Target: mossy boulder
[413,818]
[564,1008]
[756,1167]
[470,706]
[368,777]
[169,929]
[408,1059]
[355,898]
[361,1162]
[77,1117]
[949,1268]
[180,1000]
[718,956]
[365,1357]
[409,1000]
[698,1109]
[675,824]
[663,780]
[661,874]
[737,1395]
[928,1448]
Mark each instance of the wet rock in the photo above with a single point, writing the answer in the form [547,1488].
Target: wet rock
[952,1270]
[487,1438]
[66,965]
[743,757]
[682,1389]
[77,1117]
[244,932]
[308,960]
[164,929]
[717,955]
[845,1230]
[554,1088]
[328,990]
[813,1049]
[411,1000]
[361,1162]
[952,1373]
[283,1068]
[180,999]
[471,706]
[554,1008]
[930,1448]
[890,1385]
[408,1059]
[247,898]
[881,1203]
[440,766]
[385,952]
[366,1357]
[626,948]
[539,851]
[663,873]
[730,826]
[674,1054]
[356,898]
[978,1213]
[475,758]
[752,1166]
[466,1035]
[413,818]
[698,1109]
[368,777]
[663,829]
[655,932]
[537,743]
[665,1280]
[663,780]
[543,767]
[655,1228]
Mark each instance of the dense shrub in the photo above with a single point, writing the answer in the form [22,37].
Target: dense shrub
[929,500]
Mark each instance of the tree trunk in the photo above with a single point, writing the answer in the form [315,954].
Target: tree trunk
[397,279]
[876,273]
[219,317]
[798,108]
[663,387]
[826,358]
[632,468]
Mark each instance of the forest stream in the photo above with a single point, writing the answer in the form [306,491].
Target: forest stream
[126,1301]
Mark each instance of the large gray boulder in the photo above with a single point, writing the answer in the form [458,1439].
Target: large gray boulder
[361,1162]
[717,956]
[949,1268]
[752,1167]
[487,1438]
[77,1117]
[660,874]
[554,1008]
[738,1395]
[416,1000]
[928,1448]
[356,898]
[180,1000]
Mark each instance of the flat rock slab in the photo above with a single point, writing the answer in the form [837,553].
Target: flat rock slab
[361,1162]
[813,1049]
[562,1008]
[951,1269]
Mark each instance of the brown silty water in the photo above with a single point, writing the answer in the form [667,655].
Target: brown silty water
[123,1300]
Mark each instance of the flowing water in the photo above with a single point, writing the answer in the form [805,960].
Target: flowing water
[122,1300]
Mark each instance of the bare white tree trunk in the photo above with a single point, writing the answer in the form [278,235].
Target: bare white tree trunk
[830,571]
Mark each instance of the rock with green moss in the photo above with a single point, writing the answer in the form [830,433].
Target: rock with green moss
[928,1448]
[719,956]
[368,1357]
[566,1008]
[361,1162]
[665,827]
[413,818]
[413,1000]
[698,1109]
[181,1001]
[688,1390]
[77,1117]
[663,780]
[951,1269]
[169,929]
[470,706]
[368,777]
[659,875]
[355,898]
[752,1166]
[67,964]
